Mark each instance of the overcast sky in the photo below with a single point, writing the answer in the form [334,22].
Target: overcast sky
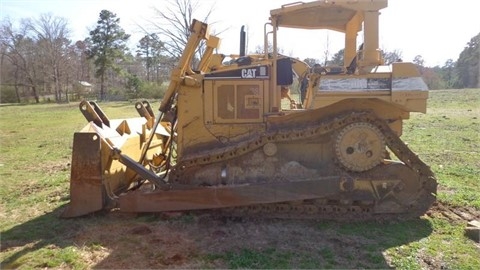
[435,29]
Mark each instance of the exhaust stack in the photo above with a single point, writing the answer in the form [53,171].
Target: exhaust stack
[242,41]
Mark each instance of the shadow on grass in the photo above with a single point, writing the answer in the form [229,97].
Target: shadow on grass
[363,244]
[151,241]
[321,245]
[36,234]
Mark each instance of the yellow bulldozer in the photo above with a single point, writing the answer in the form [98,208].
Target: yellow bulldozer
[222,141]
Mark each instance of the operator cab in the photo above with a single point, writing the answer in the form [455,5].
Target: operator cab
[348,17]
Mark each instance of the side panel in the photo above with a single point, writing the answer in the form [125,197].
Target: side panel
[400,84]
[335,88]
[408,88]
[238,101]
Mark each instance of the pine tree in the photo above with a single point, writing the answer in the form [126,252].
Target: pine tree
[150,49]
[108,44]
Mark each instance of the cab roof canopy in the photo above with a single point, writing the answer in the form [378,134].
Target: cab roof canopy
[324,14]
[345,16]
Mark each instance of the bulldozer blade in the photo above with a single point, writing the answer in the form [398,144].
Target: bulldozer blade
[86,190]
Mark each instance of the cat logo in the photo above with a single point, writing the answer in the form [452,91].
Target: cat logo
[249,73]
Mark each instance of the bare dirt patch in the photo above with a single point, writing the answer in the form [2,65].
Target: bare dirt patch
[116,240]
[200,241]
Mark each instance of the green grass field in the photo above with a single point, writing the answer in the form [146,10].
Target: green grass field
[36,144]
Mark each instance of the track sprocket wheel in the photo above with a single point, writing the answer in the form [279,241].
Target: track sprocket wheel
[360,146]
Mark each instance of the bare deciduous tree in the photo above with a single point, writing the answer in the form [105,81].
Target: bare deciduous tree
[20,50]
[391,57]
[174,23]
[52,39]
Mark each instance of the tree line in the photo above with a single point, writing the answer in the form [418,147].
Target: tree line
[39,62]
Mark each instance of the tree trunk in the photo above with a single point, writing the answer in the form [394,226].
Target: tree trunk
[35,94]
[58,94]
[34,90]
[67,99]
[17,93]
[102,87]
[478,75]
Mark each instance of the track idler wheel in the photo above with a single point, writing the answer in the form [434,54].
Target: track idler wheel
[359,147]
[406,195]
